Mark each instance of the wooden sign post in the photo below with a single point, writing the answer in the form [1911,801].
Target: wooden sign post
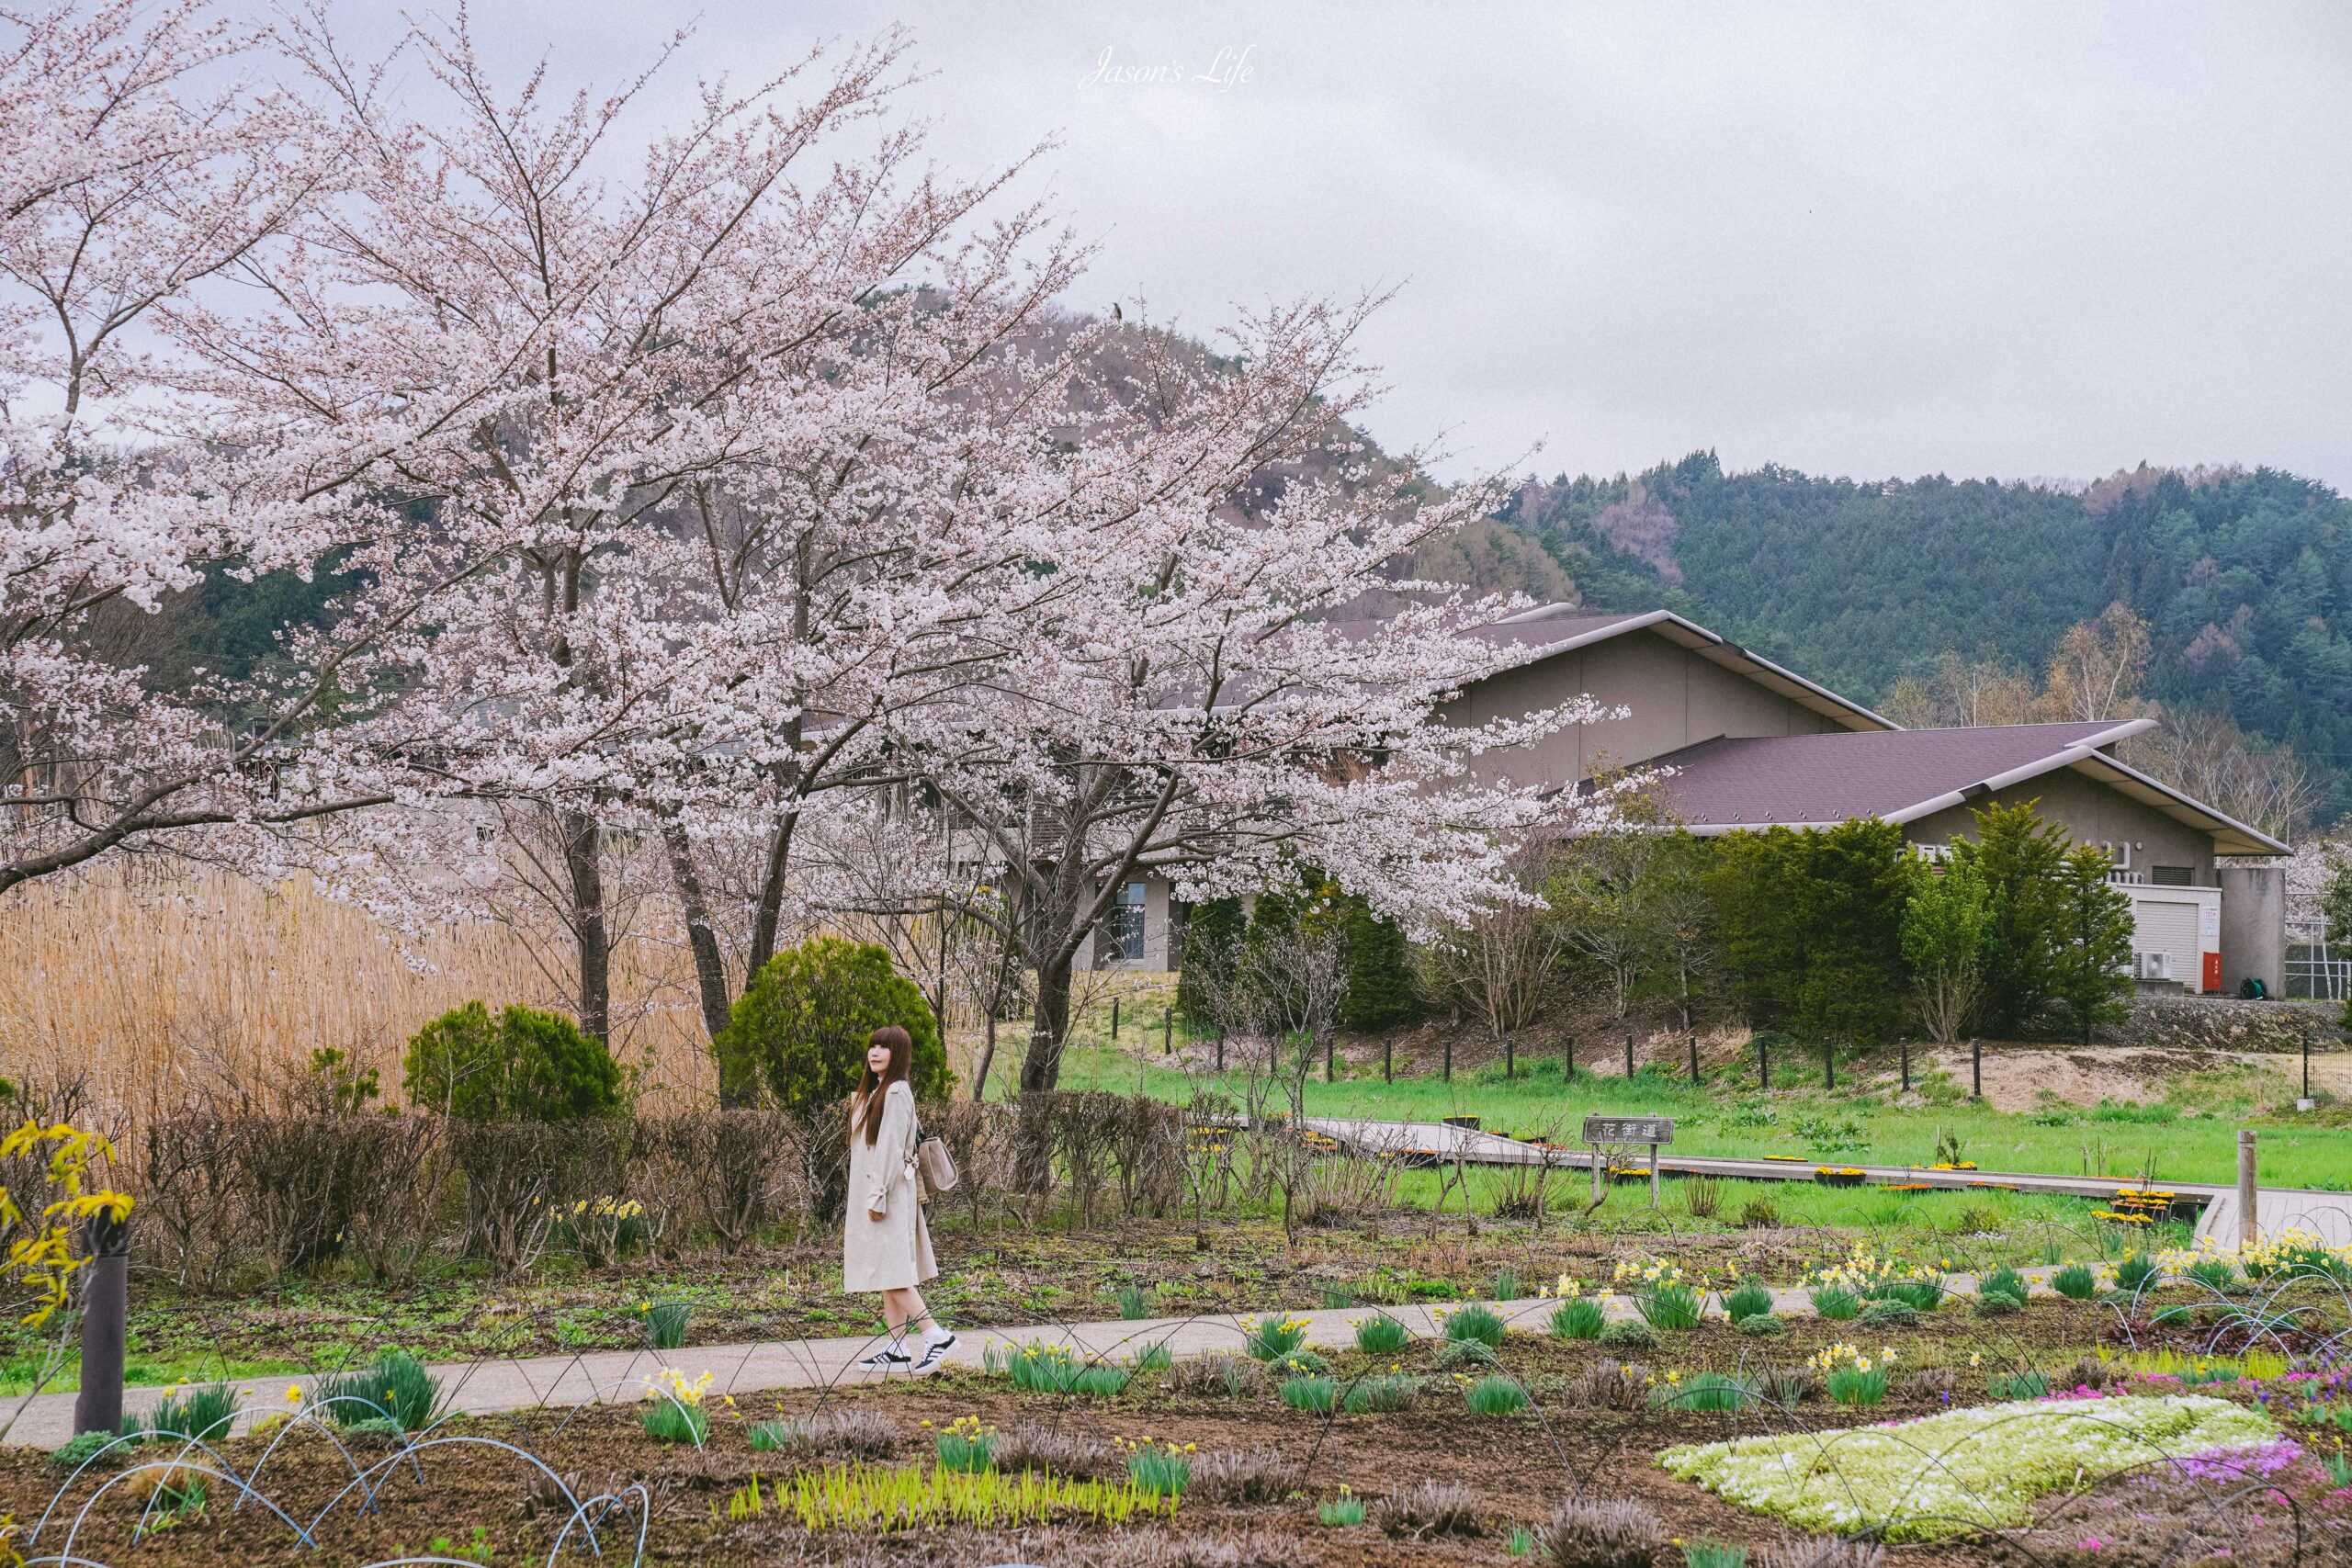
[1656,1131]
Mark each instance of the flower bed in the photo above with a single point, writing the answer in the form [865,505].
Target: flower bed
[1965,1469]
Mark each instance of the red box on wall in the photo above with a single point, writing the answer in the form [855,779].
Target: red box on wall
[2213,971]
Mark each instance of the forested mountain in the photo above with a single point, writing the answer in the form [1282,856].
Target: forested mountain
[2244,579]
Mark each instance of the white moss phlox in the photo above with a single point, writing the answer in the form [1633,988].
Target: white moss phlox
[1945,1475]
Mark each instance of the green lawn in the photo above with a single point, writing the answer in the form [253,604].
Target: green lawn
[2193,1136]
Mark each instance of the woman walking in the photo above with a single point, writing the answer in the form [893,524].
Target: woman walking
[885,1247]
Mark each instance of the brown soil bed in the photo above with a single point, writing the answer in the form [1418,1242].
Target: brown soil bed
[1518,1466]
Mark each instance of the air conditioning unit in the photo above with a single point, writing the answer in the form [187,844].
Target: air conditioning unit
[2151,966]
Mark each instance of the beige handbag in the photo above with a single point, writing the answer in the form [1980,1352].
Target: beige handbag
[935,1165]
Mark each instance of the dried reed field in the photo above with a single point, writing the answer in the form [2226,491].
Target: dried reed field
[158,985]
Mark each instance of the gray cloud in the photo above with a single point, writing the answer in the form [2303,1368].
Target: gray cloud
[2002,240]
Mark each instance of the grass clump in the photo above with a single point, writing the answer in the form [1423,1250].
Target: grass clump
[2075,1282]
[665,1323]
[1852,1377]
[1056,1369]
[1316,1395]
[869,1497]
[1380,1394]
[1426,1510]
[1751,1300]
[968,1444]
[202,1413]
[675,1413]
[1763,1325]
[1342,1511]
[1579,1319]
[1271,1339]
[1837,1303]
[395,1387]
[1135,1302]
[1473,1325]
[1157,1470]
[1381,1335]
[1495,1395]
[849,1433]
[1712,1392]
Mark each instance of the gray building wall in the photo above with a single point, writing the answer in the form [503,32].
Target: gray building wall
[2094,814]
[1678,699]
[1159,912]
[2254,926]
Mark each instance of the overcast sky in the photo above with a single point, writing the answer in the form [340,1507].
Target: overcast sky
[2008,240]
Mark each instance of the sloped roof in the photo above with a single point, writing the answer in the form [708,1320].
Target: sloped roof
[1901,776]
[1550,629]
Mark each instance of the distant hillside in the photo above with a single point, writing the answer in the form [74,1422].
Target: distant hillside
[2244,577]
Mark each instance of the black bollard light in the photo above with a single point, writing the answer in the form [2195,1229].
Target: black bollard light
[105,1320]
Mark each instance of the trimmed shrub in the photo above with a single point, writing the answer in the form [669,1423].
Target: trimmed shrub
[1629,1334]
[1762,1325]
[800,1030]
[523,1065]
[1033,1444]
[1889,1314]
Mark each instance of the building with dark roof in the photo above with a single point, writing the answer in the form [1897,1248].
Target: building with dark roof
[1742,742]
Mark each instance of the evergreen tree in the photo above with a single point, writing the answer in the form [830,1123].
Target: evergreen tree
[1751,881]
[2091,943]
[2019,855]
[1947,927]
[1380,992]
[1212,933]
[1849,905]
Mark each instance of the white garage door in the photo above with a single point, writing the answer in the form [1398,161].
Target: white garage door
[2169,929]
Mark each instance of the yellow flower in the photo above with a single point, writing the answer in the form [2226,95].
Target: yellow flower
[293,1394]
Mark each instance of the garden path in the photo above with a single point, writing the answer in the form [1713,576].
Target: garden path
[619,1376]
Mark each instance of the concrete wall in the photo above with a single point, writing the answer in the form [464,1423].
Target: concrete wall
[1678,699]
[2254,926]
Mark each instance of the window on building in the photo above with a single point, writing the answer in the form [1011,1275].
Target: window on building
[1126,928]
[2172,875]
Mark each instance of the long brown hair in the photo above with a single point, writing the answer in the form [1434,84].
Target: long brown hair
[871,1090]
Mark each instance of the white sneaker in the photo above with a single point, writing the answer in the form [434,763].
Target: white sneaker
[885,1359]
[933,1352]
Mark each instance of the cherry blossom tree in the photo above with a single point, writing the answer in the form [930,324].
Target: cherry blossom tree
[145,157]
[671,431]
[1178,691]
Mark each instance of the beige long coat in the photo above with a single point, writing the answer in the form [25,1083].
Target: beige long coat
[892,1253]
